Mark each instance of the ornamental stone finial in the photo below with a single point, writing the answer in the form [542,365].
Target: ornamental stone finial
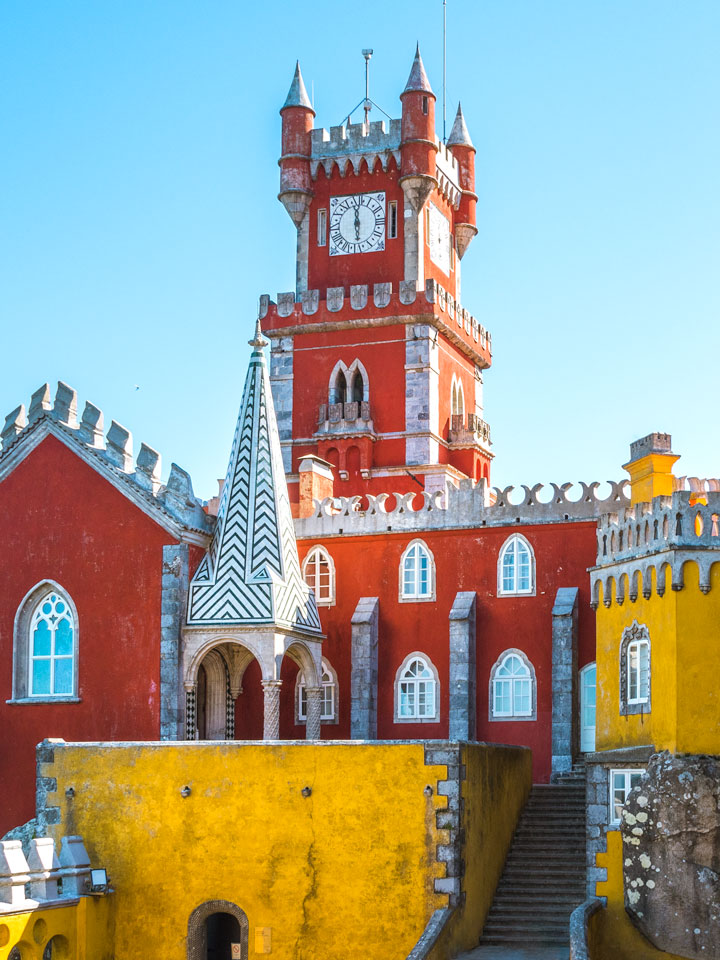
[258,341]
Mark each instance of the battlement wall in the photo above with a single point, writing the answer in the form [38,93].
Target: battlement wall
[113,449]
[467,506]
[284,316]
[638,544]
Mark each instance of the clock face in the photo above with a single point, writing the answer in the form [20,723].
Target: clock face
[357,223]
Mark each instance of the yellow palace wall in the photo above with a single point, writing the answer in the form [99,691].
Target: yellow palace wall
[684,628]
[350,868]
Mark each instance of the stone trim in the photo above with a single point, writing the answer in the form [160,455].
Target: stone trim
[436,925]
[22,645]
[565,698]
[196,935]
[432,594]
[449,820]
[530,592]
[364,669]
[533,688]
[462,721]
[580,928]
[416,655]
[175,580]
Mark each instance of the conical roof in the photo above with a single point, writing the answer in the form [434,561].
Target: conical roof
[297,94]
[418,79]
[251,572]
[459,135]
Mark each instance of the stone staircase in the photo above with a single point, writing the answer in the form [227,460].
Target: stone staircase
[544,876]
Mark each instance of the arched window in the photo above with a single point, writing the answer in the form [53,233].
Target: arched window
[513,694]
[417,573]
[46,644]
[635,674]
[516,567]
[340,388]
[457,398]
[348,384]
[319,574]
[358,388]
[329,696]
[417,690]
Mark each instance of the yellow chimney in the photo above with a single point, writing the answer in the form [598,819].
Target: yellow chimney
[650,468]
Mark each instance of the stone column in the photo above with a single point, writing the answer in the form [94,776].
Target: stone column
[462,725]
[271,716]
[314,712]
[414,258]
[364,671]
[173,600]
[303,247]
[190,703]
[564,679]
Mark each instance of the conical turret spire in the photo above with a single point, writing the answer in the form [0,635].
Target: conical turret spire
[459,135]
[297,94]
[251,572]
[418,79]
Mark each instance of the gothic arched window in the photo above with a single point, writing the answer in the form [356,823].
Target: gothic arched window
[46,645]
[513,693]
[516,567]
[319,574]
[416,690]
[417,573]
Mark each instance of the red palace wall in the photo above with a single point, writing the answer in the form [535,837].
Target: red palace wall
[64,522]
[464,560]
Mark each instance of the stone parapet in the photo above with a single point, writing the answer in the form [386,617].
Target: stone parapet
[469,505]
[378,304]
[114,451]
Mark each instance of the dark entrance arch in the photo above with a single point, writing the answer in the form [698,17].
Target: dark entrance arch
[212,927]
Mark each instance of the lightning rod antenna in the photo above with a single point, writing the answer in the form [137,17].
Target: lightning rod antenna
[368,102]
[444,63]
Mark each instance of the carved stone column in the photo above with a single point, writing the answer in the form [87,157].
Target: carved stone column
[314,712]
[190,696]
[271,716]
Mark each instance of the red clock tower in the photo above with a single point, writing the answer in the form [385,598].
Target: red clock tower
[375,365]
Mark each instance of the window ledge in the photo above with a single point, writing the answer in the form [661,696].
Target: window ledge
[417,720]
[25,700]
[517,593]
[302,721]
[430,599]
[531,717]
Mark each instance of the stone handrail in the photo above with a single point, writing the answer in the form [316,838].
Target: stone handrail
[580,929]
[436,925]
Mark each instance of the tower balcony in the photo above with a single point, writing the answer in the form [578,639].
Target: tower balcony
[469,430]
[341,419]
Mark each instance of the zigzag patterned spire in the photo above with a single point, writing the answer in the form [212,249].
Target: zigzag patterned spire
[251,572]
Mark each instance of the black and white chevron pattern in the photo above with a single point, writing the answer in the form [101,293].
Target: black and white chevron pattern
[251,572]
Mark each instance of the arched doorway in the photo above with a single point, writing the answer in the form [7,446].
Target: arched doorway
[214,928]
[587,708]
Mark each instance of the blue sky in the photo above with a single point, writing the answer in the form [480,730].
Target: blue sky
[139,220]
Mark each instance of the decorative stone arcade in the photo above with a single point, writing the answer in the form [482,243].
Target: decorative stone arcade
[248,599]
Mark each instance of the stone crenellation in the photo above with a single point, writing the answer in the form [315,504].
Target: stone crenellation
[114,448]
[467,505]
[354,143]
[638,544]
[308,302]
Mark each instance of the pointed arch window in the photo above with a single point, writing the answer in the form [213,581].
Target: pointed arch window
[417,573]
[319,574]
[513,694]
[457,398]
[45,647]
[417,690]
[635,670]
[329,712]
[516,567]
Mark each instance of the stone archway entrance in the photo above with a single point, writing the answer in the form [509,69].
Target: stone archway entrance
[212,929]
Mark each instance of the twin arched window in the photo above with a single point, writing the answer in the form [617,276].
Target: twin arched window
[46,643]
[348,384]
[513,693]
[319,574]
[516,567]
[417,573]
[329,712]
[457,398]
[416,690]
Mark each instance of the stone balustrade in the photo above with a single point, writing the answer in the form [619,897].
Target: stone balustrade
[49,876]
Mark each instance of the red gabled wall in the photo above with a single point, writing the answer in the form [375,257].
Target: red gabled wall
[62,521]
[464,560]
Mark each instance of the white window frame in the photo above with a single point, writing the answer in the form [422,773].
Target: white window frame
[636,637]
[23,659]
[512,717]
[640,648]
[627,773]
[434,716]
[322,227]
[330,684]
[412,595]
[312,558]
[510,544]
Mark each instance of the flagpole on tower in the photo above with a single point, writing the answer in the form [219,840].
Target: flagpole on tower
[444,62]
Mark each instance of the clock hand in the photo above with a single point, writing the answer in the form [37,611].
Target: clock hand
[357,222]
